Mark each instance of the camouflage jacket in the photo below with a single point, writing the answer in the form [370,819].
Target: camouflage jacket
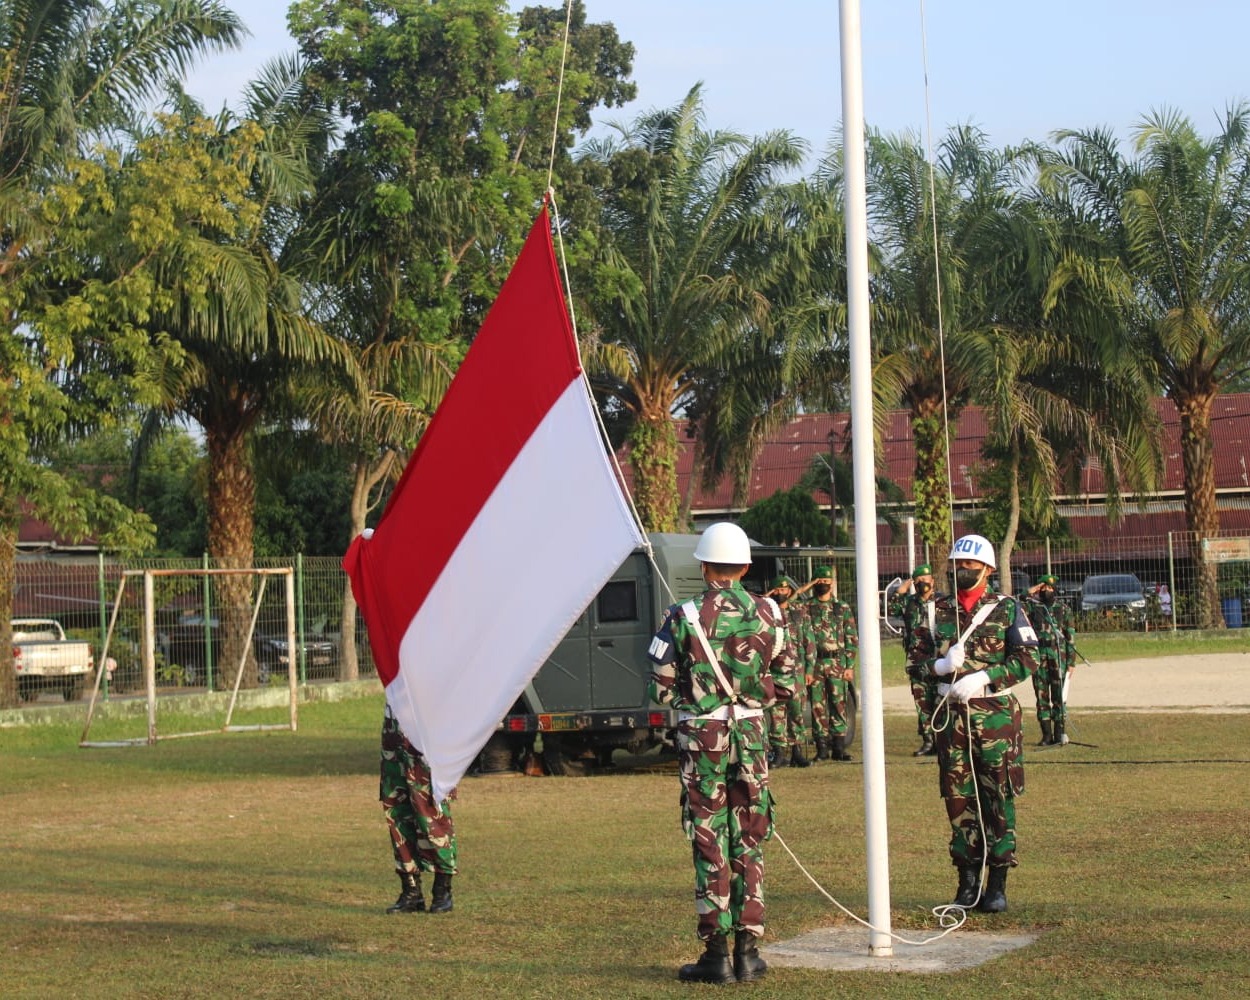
[831,635]
[749,640]
[1003,644]
[796,631]
[914,612]
[1056,631]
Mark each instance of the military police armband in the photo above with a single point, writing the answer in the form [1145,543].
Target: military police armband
[1021,632]
[661,650]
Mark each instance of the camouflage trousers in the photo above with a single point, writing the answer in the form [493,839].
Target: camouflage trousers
[423,837]
[924,694]
[828,695]
[787,723]
[1048,687]
[980,772]
[727,813]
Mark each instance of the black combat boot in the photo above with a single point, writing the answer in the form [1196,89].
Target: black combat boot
[926,748]
[995,898]
[822,748]
[441,900]
[713,965]
[1060,736]
[410,899]
[1048,735]
[837,748]
[747,962]
[797,759]
[777,757]
[969,885]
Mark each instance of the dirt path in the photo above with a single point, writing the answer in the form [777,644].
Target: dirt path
[1214,682]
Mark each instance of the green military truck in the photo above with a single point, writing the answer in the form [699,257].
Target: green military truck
[589,699]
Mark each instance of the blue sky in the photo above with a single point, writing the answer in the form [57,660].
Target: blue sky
[1018,70]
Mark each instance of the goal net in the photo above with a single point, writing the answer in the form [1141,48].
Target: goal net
[223,636]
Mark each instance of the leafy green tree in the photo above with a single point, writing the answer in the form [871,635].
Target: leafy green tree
[677,286]
[1156,267]
[449,111]
[236,312]
[785,516]
[72,356]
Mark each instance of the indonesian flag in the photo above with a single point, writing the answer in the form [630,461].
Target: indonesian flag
[506,522]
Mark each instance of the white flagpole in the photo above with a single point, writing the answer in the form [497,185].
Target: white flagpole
[880,943]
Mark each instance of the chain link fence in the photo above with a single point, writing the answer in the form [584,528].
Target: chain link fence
[1112,584]
[193,615]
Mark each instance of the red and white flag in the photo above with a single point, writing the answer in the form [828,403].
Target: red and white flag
[506,522]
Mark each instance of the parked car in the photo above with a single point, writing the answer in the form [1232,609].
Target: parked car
[44,658]
[182,645]
[1107,593]
[1069,592]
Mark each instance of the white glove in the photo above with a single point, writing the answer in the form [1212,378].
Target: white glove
[971,686]
[952,661]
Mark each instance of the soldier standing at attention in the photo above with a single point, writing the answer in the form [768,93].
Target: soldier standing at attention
[1056,655]
[423,836]
[832,640]
[913,602]
[980,646]
[787,727]
[719,660]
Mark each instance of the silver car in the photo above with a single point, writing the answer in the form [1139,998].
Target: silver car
[1111,592]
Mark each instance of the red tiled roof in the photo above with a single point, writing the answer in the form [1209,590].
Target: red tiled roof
[788,453]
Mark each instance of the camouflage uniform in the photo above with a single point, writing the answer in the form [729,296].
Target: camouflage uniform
[913,611]
[832,640]
[422,834]
[980,756]
[726,804]
[1056,655]
[787,722]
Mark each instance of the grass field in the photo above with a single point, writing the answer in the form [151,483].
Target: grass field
[257,864]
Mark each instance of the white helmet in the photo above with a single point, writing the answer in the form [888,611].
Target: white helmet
[724,543]
[976,547]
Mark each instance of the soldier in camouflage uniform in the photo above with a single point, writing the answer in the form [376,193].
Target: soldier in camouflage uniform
[787,725]
[913,602]
[980,646]
[719,660]
[1056,655]
[423,836]
[832,642]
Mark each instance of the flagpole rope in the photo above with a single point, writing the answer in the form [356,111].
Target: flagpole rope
[937,277]
[555,125]
[568,296]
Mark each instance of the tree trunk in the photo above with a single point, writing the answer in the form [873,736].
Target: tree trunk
[364,480]
[231,522]
[653,455]
[1013,523]
[931,488]
[10,521]
[1201,515]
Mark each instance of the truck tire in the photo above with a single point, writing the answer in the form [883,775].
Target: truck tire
[28,688]
[71,688]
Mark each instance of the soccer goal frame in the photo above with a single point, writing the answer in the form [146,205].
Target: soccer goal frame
[148,652]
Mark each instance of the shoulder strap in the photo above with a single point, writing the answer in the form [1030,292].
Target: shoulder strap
[692,616]
[982,613]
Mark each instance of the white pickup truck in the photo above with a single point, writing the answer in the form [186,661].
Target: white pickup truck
[45,659]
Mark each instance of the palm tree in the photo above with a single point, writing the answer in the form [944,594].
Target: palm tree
[1156,266]
[239,314]
[936,231]
[74,69]
[684,282]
